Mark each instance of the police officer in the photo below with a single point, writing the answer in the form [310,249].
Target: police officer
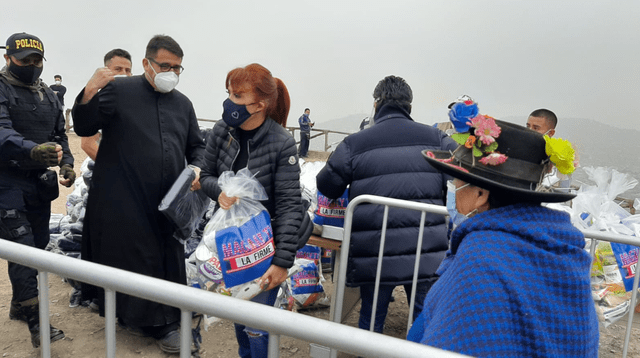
[32,139]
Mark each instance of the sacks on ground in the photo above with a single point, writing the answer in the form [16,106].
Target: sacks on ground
[614,264]
[331,211]
[184,207]
[612,277]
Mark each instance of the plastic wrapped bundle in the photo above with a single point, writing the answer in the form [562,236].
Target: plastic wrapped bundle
[183,206]
[306,286]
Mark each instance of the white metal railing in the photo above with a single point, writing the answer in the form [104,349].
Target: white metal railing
[276,321]
[441,210]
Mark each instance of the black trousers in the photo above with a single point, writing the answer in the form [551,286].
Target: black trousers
[30,228]
[304,144]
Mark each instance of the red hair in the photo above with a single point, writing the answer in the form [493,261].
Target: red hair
[265,87]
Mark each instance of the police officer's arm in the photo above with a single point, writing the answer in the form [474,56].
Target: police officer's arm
[13,146]
[67,175]
[60,137]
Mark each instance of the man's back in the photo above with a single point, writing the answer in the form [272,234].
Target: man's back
[390,151]
[386,160]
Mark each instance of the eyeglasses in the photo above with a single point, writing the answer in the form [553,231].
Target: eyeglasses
[164,67]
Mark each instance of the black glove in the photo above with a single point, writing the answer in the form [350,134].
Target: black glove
[45,153]
[67,172]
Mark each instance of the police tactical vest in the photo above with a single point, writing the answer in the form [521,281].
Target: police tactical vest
[33,118]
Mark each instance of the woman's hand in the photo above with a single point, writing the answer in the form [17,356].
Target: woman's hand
[226,202]
[195,184]
[274,276]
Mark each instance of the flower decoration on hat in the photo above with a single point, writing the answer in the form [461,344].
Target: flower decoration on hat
[561,153]
[461,112]
[481,139]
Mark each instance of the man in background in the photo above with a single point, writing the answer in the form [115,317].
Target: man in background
[386,160]
[32,139]
[305,133]
[544,122]
[59,89]
[117,62]
[149,132]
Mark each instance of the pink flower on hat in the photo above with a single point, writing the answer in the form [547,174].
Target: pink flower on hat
[485,128]
[494,158]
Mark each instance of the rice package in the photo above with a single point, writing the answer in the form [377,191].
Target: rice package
[612,279]
[306,286]
[626,259]
[309,252]
[245,252]
[331,211]
[237,243]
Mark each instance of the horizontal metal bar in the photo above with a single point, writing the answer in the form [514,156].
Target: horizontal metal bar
[344,338]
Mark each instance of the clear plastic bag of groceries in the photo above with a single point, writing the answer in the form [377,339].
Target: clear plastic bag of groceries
[237,245]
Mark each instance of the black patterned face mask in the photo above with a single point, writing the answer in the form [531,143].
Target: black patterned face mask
[26,74]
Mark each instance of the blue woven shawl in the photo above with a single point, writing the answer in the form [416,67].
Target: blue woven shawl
[515,283]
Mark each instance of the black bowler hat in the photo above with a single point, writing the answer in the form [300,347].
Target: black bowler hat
[515,168]
[21,45]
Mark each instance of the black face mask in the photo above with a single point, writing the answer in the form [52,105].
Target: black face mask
[26,74]
[234,114]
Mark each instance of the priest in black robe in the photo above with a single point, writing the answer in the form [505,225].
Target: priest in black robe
[149,134]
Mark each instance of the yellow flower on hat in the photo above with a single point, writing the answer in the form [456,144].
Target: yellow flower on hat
[561,153]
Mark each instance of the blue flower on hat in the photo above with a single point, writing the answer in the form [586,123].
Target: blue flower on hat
[461,113]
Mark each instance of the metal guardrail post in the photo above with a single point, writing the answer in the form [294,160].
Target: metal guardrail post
[414,283]
[43,308]
[185,333]
[274,345]
[376,289]
[110,322]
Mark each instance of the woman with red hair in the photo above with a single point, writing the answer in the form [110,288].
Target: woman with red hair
[252,134]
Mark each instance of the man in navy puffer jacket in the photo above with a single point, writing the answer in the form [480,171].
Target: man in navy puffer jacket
[386,160]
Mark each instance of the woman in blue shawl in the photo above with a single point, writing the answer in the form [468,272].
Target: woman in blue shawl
[515,282]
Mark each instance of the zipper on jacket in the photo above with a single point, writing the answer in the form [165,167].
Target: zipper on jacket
[236,156]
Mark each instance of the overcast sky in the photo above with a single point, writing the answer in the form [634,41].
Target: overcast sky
[581,59]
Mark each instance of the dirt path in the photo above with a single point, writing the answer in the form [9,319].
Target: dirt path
[84,329]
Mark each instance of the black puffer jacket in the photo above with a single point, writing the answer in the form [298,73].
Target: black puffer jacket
[386,160]
[273,159]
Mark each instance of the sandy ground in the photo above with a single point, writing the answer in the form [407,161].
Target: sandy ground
[84,329]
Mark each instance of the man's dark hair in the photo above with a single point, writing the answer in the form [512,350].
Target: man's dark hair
[393,90]
[549,116]
[57,76]
[116,52]
[306,109]
[163,41]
